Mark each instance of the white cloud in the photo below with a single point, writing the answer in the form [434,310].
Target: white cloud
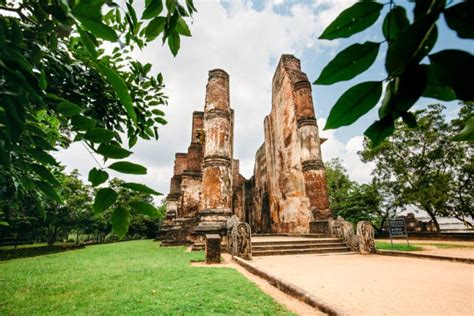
[347,152]
[246,43]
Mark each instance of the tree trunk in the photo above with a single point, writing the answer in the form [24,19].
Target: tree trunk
[430,212]
[382,222]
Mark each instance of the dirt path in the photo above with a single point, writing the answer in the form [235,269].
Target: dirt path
[284,299]
[379,285]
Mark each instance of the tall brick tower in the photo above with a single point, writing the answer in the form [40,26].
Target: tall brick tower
[216,198]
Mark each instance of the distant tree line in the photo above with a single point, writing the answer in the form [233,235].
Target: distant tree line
[75,219]
[420,166]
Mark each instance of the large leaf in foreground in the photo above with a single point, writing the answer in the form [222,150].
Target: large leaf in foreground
[353,20]
[454,68]
[460,17]
[48,190]
[380,130]
[97,176]
[354,103]
[104,199]
[145,208]
[349,63]
[140,188]
[113,151]
[467,132]
[121,89]
[395,22]
[99,135]
[128,167]
[120,221]
[411,45]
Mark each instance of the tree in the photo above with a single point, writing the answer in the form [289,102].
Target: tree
[423,166]
[446,77]
[59,84]
[73,213]
[353,201]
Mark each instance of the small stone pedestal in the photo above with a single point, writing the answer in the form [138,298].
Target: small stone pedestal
[321,227]
[213,248]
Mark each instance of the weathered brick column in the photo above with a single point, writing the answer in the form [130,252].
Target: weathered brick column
[216,195]
[313,168]
[192,176]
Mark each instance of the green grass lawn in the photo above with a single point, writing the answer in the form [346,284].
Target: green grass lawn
[136,277]
[381,245]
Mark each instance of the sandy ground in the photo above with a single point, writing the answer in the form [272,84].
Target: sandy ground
[379,285]
[282,298]
[466,249]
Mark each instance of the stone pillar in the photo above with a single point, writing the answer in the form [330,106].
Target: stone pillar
[311,160]
[192,176]
[216,199]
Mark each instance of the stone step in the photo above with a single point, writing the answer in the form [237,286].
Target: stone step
[299,251]
[297,246]
[299,241]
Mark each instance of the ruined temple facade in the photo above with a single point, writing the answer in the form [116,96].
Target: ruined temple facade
[286,194]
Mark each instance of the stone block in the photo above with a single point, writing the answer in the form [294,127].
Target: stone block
[213,248]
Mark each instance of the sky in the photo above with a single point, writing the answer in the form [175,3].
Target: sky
[246,39]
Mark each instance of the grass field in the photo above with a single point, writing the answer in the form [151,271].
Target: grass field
[381,245]
[127,278]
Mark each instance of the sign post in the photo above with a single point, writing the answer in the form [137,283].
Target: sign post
[397,228]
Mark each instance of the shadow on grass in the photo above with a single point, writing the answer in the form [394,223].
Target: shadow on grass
[9,254]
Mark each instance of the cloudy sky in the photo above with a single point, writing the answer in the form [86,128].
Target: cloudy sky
[246,39]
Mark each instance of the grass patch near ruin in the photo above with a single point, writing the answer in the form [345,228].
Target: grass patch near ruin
[381,245]
[127,278]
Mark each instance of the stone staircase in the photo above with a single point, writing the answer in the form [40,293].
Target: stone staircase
[268,246]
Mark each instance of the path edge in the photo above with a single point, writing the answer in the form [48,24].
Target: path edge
[423,256]
[291,289]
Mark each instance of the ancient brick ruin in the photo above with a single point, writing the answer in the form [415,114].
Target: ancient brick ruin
[286,194]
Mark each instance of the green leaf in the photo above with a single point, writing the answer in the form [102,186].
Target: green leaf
[99,135]
[454,68]
[128,167]
[42,143]
[44,173]
[411,45]
[121,89]
[397,21]
[435,89]
[48,191]
[68,108]
[153,8]
[96,27]
[467,133]
[182,28]
[409,119]
[402,92]
[140,188]
[144,208]
[120,221]
[354,103]
[104,199]
[113,151]
[349,63]
[380,130]
[81,122]
[174,42]
[155,27]
[43,157]
[97,177]
[353,20]
[87,42]
[460,17]
[161,120]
